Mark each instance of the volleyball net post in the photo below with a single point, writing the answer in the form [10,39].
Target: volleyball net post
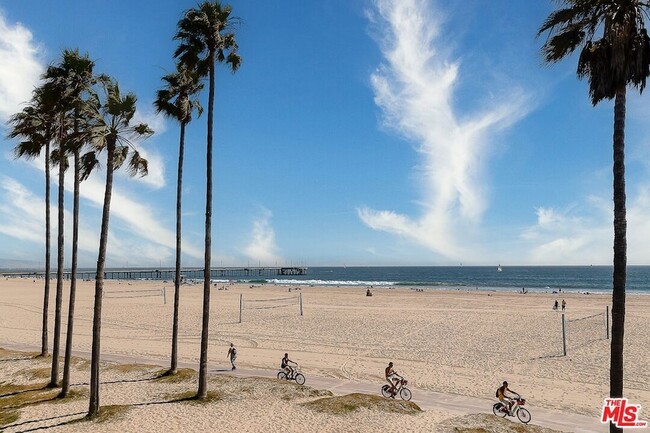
[563,336]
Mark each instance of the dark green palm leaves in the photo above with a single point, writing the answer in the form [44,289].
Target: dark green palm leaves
[620,57]
[205,38]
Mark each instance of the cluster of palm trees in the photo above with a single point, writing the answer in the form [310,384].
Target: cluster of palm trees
[77,114]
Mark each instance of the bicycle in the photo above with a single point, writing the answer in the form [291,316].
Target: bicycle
[400,388]
[296,375]
[518,410]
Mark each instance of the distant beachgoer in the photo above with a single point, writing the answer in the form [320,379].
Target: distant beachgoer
[556,305]
[563,304]
[368,292]
[232,354]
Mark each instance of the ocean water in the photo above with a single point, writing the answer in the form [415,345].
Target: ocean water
[597,279]
[593,279]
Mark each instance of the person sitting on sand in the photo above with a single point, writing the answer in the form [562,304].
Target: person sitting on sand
[392,378]
[284,365]
[503,398]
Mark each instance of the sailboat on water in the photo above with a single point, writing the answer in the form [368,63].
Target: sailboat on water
[499,268]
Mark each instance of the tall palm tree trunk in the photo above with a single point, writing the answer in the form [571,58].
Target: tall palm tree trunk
[54,379]
[65,387]
[93,409]
[46,290]
[620,253]
[203,364]
[177,276]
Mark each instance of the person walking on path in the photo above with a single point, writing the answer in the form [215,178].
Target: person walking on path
[232,354]
[563,304]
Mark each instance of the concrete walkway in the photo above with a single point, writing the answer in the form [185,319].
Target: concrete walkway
[453,404]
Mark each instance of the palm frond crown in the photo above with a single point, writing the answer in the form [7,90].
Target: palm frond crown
[613,41]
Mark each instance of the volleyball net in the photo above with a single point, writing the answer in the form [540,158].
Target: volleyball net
[582,331]
[264,307]
[136,293]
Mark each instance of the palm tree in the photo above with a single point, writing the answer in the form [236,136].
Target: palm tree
[205,38]
[111,130]
[177,100]
[34,124]
[60,155]
[74,75]
[618,58]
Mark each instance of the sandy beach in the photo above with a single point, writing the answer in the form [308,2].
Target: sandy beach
[456,342]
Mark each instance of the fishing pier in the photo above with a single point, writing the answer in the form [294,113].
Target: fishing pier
[169,274]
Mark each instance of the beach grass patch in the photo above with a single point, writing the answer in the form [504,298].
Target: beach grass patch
[341,405]
[80,364]
[73,394]
[13,355]
[36,373]
[191,398]
[181,375]
[8,416]
[16,396]
[111,413]
[131,368]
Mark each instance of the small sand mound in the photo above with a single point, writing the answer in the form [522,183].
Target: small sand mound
[181,375]
[353,402]
[483,423]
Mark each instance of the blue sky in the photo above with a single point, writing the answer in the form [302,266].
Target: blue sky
[357,132]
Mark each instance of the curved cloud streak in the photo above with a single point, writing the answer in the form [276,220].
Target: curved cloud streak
[20,67]
[262,246]
[415,90]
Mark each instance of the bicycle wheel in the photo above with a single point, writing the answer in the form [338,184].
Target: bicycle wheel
[300,379]
[406,394]
[523,415]
[385,391]
[282,375]
[498,410]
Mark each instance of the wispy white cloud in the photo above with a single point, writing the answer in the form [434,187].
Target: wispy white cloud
[21,215]
[20,66]
[262,247]
[415,90]
[137,229]
[575,235]
[137,218]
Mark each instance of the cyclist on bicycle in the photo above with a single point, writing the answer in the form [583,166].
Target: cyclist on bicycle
[392,378]
[284,365]
[503,398]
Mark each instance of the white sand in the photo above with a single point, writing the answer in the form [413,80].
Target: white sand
[456,342]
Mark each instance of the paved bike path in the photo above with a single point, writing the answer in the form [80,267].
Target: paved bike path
[452,404]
